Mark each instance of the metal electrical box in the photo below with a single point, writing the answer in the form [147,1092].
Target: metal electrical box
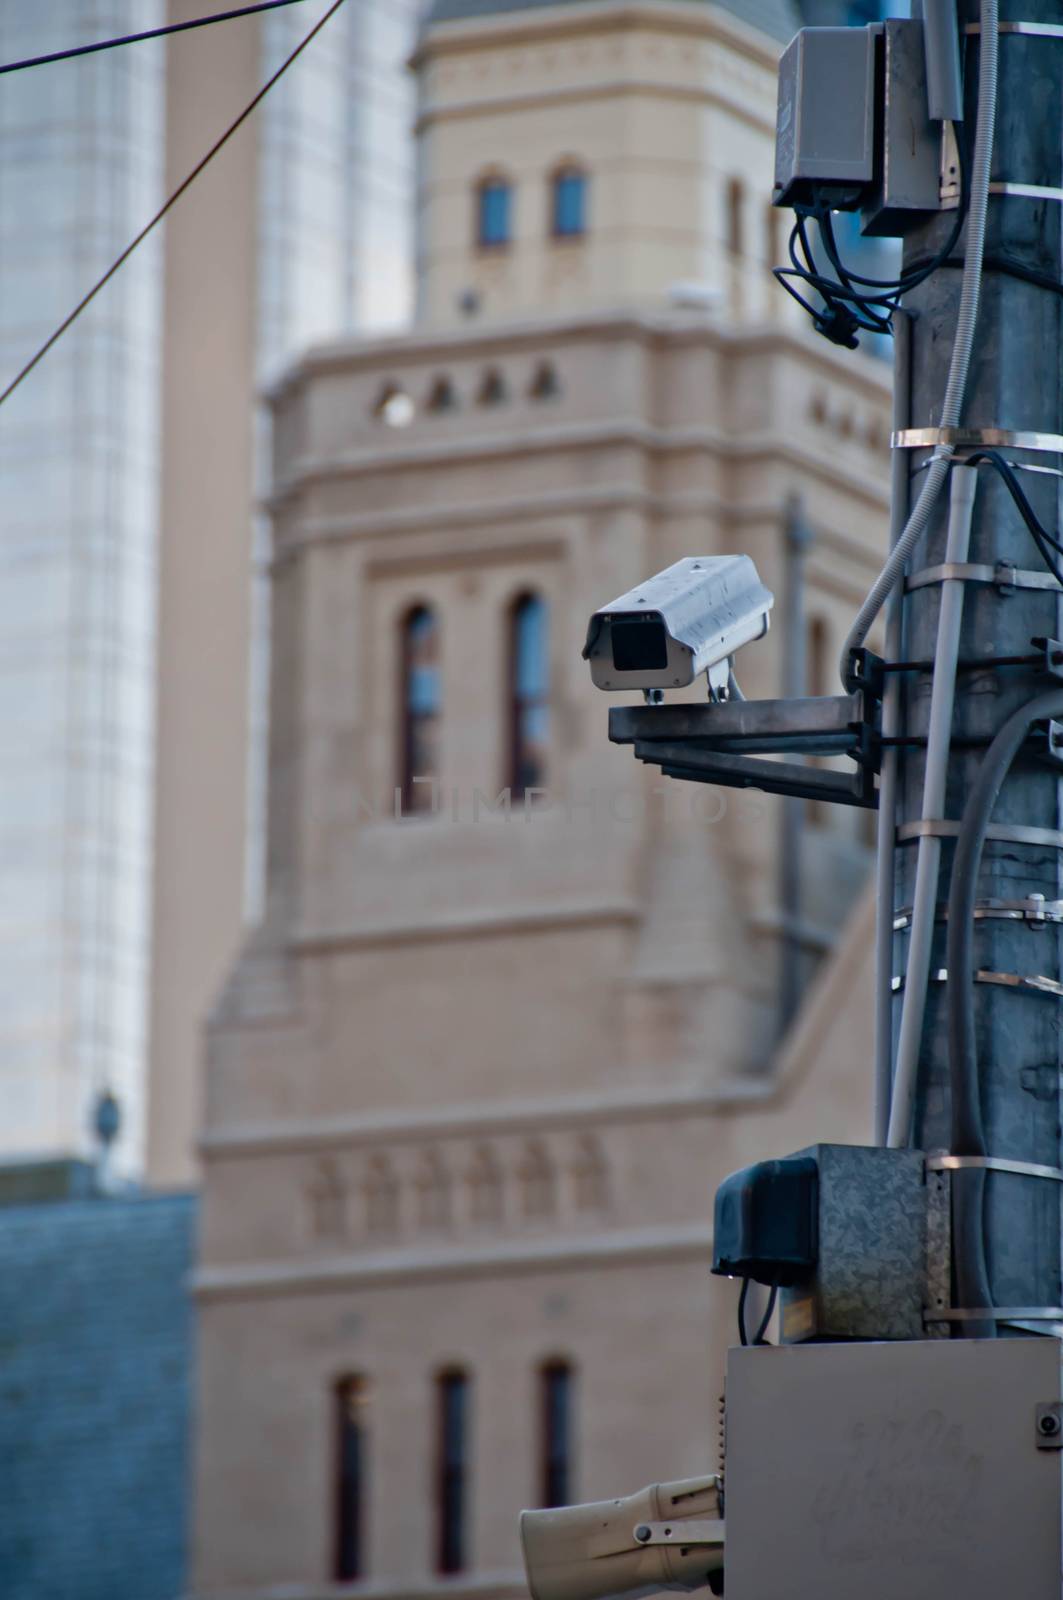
[908,177]
[825,128]
[894,1470]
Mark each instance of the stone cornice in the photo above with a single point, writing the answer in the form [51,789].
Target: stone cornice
[295,1137]
[504,1257]
[392,354]
[510,29]
[580,94]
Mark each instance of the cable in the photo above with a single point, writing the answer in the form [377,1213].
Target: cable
[966,319]
[851,300]
[167,205]
[769,1311]
[743,1295]
[1040,534]
[928,860]
[968,1125]
[138,38]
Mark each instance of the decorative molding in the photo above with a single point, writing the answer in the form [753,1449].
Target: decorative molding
[504,1257]
[514,1117]
[430,928]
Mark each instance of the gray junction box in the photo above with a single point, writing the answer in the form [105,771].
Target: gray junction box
[883,1471]
[825,129]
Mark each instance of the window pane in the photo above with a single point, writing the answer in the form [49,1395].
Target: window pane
[452,1422]
[557,1434]
[570,190]
[350,1479]
[529,688]
[421,707]
[493,225]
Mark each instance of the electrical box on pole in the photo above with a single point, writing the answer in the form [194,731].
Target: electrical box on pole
[906,1434]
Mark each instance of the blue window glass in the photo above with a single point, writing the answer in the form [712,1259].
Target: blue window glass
[556,1401]
[570,203]
[452,1391]
[493,209]
[529,694]
[421,707]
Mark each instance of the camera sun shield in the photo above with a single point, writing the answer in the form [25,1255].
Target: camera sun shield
[669,630]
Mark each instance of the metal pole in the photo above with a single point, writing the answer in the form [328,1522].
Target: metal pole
[891,709]
[798,537]
[1014,384]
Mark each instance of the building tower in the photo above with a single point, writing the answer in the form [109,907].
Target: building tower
[514,1007]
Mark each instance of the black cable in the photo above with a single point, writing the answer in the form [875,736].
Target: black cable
[138,38]
[1039,533]
[758,1337]
[742,1297]
[53,338]
[1013,269]
[853,301]
[968,1124]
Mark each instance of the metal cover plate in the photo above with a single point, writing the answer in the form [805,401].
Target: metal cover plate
[881,1470]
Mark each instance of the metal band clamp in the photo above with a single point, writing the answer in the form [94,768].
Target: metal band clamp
[1022,1169]
[1036,30]
[1001,832]
[1006,980]
[977,438]
[995,1314]
[979,572]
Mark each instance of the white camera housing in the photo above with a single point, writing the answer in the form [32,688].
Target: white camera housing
[667,1536]
[689,619]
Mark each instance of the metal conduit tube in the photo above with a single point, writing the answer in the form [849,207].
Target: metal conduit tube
[939,733]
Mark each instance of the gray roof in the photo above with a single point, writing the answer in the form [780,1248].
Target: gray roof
[779,18]
[95,1376]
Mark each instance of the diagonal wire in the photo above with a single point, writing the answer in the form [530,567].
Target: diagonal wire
[166,206]
[138,38]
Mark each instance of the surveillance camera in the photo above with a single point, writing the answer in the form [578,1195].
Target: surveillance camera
[689,619]
[668,1536]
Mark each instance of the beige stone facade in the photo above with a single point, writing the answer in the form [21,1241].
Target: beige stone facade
[473,1083]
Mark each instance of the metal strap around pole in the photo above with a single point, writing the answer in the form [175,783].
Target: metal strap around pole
[1022,1169]
[995,1314]
[1001,832]
[1035,30]
[979,572]
[977,438]
[1007,980]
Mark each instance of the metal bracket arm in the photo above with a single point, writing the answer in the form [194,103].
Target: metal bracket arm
[693,1531]
[720,743]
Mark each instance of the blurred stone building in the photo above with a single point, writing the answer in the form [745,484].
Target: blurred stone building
[515,1007]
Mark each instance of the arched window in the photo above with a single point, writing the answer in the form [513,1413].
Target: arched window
[568,202]
[529,707]
[350,1398]
[545,384]
[493,212]
[452,1470]
[492,390]
[736,216]
[555,1401]
[420,702]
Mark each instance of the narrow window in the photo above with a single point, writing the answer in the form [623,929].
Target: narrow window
[529,710]
[452,1401]
[817,669]
[736,216]
[350,1407]
[555,1380]
[773,247]
[569,203]
[420,700]
[493,207]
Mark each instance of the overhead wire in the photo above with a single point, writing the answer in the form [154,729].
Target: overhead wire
[167,205]
[139,38]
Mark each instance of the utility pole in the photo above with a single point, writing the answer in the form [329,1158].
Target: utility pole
[1015,385]
[907,1434]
